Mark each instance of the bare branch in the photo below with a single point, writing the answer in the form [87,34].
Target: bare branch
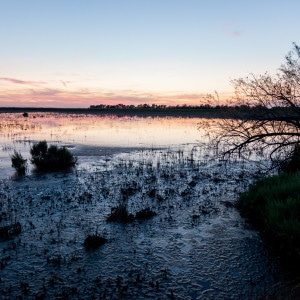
[275,126]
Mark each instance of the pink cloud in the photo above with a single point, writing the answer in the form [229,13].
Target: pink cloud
[65,83]
[55,97]
[45,92]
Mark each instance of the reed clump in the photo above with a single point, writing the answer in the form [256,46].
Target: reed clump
[18,163]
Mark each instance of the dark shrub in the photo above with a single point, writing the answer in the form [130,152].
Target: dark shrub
[94,241]
[51,158]
[38,152]
[292,163]
[272,205]
[18,162]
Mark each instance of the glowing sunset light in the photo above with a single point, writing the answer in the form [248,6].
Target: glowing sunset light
[76,54]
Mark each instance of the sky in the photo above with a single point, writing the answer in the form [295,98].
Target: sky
[75,53]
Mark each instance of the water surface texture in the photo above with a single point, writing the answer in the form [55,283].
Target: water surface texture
[195,247]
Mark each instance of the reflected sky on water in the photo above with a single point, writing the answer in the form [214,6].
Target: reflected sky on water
[82,131]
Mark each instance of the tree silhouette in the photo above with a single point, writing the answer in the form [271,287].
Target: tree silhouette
[274,128]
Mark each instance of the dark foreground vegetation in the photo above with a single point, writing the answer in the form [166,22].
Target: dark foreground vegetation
[272,205]
[45,158]
[52,158]
[94,241]
[18,163]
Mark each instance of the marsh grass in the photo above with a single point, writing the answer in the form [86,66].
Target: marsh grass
[272,204]
[18,163]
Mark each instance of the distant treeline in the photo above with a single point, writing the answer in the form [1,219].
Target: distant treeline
[157,106]
[153,110]
[178,107]
[203,110]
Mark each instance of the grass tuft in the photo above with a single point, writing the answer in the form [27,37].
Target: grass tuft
[145,214]
[19,163]
[94,241]
[120,214]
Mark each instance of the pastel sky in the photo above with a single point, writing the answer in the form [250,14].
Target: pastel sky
[75,53]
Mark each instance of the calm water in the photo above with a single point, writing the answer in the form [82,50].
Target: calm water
[196,247]
[95,135]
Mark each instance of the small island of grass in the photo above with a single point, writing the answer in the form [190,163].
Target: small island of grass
[45,158]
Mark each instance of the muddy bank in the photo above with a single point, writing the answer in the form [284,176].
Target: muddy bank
[195,246]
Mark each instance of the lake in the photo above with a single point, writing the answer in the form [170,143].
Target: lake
[93,134]
[196,246]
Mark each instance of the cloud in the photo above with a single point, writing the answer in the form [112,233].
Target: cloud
[45,92]
[18,81]
[84,97]
[65,83]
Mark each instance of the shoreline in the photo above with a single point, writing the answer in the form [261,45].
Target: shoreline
[141,112]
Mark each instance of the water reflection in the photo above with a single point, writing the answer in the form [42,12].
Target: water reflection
[82,133]
[99,130]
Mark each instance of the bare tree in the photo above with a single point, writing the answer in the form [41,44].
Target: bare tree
[270,123]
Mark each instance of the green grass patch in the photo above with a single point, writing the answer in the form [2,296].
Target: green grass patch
[272,205]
